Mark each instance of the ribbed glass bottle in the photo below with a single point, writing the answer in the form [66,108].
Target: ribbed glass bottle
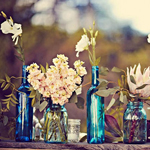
[95,112]
[24,110]
[135,123]
[56,124]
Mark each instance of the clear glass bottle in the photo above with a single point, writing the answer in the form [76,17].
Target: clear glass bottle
[24,111]
[56,124]
[95,112]
[135,123]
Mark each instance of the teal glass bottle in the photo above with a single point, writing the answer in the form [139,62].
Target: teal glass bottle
[56,124]
[135,123]
[24,111]
[95,112]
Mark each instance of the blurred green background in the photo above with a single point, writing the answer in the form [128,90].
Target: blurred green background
[52,27]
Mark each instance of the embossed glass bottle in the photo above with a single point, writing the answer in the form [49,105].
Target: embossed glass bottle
[135,123]
[95,112]
[24,110]
[56,124]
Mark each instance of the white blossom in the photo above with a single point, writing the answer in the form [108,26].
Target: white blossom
[82,44]
[14,28]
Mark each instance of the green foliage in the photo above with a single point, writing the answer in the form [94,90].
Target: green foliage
[103,71]
[79,101]
[115,69]
[10,98]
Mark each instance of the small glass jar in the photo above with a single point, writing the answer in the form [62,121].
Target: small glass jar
[73,130]
[135,123]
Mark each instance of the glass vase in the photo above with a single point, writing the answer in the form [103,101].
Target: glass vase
[95,112]
[24,111]
[135,123]
[56,124]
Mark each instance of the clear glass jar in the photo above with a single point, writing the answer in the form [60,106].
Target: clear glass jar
[135,123]
[56,124]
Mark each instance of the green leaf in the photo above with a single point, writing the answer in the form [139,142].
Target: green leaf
[43,69]
[8,95]
[14,101]
[80,103]
[141,87]
[103,71]
[2,80]
[115,69]
[103,93]
[33,102]
[119,83]
[43,105]
[14,97]
[6,87]
[47,66]
[7,99]
[102,85]
[73,98]
[101,80]
[8,106]
[121,96]
[3,84]
[7,78]
[97,61]
[12,104]
[110,104]
[32,94]
[5,120]
[125,100]
[30,88]
[20,58]
[132,79]
[11,129]
[37,105]
[113,90]
[38,95]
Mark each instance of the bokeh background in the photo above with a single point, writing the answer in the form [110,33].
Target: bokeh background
[52,27]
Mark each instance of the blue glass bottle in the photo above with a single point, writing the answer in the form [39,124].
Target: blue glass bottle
[24,110]
[135,123]
[56,124]
[95,112]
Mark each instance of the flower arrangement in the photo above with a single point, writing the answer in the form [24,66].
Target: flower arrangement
[133,86]
[86,42]
[58,81]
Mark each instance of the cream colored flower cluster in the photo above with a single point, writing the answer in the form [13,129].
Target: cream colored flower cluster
[59,81]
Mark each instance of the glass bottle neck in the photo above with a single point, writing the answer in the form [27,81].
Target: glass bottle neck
[135,105]
[95,75]
[24,75]
[51,105]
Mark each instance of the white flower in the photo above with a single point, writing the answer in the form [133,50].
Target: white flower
[9,27]
[140,80]
[148,39]
[82,44]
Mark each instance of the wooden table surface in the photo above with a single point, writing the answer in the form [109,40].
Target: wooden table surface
[11,145]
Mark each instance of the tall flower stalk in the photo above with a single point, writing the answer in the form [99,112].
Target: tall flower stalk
[9,26]
[88,42]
